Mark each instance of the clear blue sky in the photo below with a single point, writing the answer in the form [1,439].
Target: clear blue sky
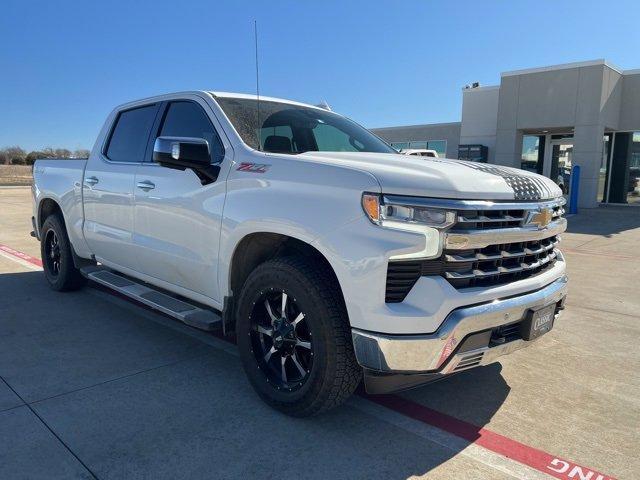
[65,64]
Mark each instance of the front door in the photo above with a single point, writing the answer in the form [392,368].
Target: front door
[177,219]
[108,187]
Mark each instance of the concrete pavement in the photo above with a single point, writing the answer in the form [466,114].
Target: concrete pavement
[96,387]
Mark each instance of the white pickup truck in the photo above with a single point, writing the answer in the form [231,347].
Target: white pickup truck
[331,258]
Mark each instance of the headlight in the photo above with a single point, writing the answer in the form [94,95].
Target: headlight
[389,210]
[400,213]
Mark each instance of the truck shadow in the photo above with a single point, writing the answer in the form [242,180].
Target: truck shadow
[125,391]
[421,430]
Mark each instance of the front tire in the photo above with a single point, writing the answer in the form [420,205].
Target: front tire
[57,258]
[294,337]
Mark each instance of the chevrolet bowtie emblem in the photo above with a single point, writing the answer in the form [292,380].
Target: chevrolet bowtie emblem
[542,218]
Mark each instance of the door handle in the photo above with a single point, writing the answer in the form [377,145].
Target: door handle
[146,185]
[91,181]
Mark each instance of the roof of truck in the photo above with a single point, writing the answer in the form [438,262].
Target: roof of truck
[169,96]
[262,97]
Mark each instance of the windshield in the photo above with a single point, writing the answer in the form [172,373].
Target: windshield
[287,128]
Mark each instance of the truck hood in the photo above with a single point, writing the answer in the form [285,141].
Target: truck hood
[443,178]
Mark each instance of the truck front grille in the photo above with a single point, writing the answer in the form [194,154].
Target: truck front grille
[491,265]
[496,264]
[493,219]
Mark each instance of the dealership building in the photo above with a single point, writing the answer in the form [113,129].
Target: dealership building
[546,120]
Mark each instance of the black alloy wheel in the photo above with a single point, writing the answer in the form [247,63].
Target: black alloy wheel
[52,253]
[294,336]
[57,256]
[281,340]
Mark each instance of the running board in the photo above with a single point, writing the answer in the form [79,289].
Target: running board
[185,312]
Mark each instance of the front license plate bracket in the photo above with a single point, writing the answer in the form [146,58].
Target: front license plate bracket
[538,322]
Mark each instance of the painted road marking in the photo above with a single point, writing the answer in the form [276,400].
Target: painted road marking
[453,443]
[21,258]
[505,447]
[533,457]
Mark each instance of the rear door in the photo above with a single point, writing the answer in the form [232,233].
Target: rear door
[177,219]
[108,187]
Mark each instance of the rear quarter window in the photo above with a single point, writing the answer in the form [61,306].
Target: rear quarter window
[130,134]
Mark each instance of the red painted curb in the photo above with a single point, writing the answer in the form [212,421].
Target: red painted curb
[20,255]
[532,457]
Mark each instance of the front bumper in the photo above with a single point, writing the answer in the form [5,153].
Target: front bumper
[464,340]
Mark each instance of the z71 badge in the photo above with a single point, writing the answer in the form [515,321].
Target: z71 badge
[253,167]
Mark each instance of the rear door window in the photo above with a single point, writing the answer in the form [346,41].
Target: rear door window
[130,135]
[188,119]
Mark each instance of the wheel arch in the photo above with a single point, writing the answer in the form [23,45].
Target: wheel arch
[258,247]
[48,206]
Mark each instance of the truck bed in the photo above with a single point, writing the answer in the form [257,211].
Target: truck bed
[60,179]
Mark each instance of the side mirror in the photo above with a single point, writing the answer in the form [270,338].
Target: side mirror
[181,153]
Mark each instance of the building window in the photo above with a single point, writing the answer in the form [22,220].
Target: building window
[532,153]
[400,145]
[633,192]
[605,162]
[623,179]
[439,146]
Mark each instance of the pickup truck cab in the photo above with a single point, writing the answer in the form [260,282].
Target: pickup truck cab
[331,258]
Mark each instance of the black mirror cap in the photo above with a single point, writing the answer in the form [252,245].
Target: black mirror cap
[181,153]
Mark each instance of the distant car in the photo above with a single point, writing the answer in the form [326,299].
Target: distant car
[420,152]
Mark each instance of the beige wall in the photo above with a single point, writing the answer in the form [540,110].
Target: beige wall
[630,102]
[415,133]
[479,117]
[586,99]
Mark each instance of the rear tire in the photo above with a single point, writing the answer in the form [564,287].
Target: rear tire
[57,257]
[313,336]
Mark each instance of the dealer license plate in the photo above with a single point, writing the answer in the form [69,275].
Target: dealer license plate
[538,322]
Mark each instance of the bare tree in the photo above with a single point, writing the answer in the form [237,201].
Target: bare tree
[15,155]
[81,153]
[49,152]
[35,155]
[62,153]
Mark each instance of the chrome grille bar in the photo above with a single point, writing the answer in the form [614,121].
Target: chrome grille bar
[479,256]
[485,219]
[469,239]
[477,272]
[449,204]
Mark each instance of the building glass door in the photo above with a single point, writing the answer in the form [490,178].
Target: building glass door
[558,160]
[623,174]
[605,165]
